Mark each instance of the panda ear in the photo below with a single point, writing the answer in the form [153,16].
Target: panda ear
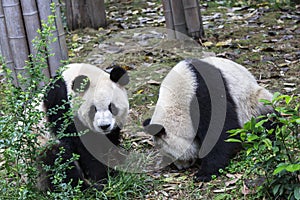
[155,130]
[80,84]
[146,122]
[119,75]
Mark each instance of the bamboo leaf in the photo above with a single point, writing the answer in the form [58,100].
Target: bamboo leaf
[207,44]
[249,150]
[279,168]
[265,101]
[252,137]
[276,189]
[224,43]
[288,99]
[268,143]
[260,123]
[293,167]
[233,140]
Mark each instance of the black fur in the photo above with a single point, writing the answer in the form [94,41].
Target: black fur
[222,152]
[119,75]
[81,83]
[92,112]
[146,122]
[89,167]
[48,157]
[113,109]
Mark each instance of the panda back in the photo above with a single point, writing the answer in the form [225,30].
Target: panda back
[242,88]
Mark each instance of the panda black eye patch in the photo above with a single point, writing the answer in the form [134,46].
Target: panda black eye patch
[113,109]
[80,83]
[92,112]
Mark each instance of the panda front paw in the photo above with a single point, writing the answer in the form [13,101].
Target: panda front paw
[202,177]
[98,187]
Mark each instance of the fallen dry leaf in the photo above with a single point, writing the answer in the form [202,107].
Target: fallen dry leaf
[224,43]
[224,189]
[207,44]
[246,190]
[232,182]
[153,82]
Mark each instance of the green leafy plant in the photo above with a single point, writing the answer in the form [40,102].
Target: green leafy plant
[274,153]
[20,127]
[58,170]
[20,130]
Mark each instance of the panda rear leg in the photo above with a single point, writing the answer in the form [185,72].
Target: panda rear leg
[73,172]
[217,159]
[210,165]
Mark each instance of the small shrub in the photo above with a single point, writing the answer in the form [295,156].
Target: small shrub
[20,126]
[19,146]
[276,160]
[58,170]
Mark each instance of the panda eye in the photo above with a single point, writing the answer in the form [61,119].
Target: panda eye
[95,108]
[113,109]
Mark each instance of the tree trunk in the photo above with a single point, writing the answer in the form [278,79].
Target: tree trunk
[184,17]
[193,18]
[179,19]
[169,18]
[85,13]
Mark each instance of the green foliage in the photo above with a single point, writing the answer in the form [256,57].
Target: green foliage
[63,190]
[20,119]
[20,128]
[126,186]
[278,159]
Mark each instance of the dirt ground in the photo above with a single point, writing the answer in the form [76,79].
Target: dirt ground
[264,38]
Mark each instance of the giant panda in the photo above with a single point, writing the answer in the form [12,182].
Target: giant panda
[199,101]
[97,102]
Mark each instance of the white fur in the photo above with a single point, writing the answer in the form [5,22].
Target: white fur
[101,92]
[172,108]
[243,88]
[172,111]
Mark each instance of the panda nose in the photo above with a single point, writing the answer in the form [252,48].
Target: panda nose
[105,127]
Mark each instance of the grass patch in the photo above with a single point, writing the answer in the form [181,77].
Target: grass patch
[148,66]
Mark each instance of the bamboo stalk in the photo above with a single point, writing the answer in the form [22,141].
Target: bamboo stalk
[179,19]
[54,48]
[31,20]
[169,19]
[73,13]
[96,13]
[16,34]
[61,32]
[202,33]
[32,24]
[88,13]
[193,18]
[4,46]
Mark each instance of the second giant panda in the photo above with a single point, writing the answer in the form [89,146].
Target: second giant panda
[97,102]
[199,101]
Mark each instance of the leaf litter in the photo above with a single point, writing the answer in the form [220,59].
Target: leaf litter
[264,39]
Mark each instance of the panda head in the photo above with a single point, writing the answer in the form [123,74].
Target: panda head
[103,103]
[172,121]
